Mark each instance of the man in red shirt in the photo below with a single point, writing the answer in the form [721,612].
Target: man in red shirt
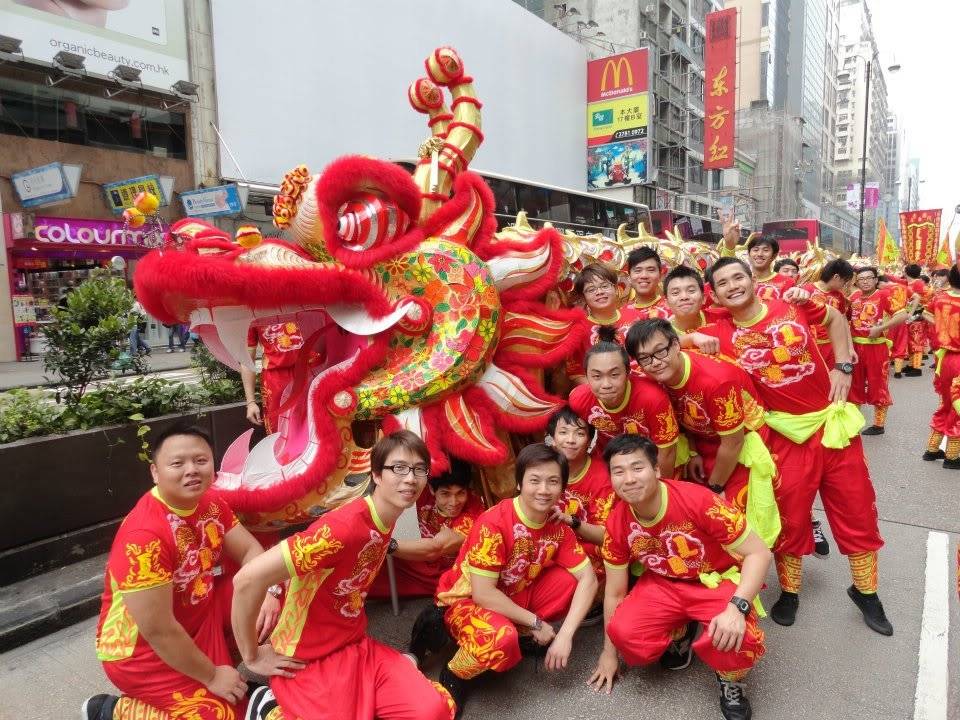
[683,293]
[719,410]
[944,312]
[762,253]
[689,542]
[829,290]
[617,401]
[517,571]
[787,266]
[916,329]
[446,511]
[645,267]
[872,314]
[331,566]
[814,432]
[162,634]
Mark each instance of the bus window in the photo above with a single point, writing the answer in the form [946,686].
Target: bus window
[610,217]
[504,195]
[559,206]
[536,201]
[582,210]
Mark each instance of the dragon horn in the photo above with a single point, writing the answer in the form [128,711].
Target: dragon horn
[454,142]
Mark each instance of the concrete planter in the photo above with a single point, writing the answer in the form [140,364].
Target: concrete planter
[64,495]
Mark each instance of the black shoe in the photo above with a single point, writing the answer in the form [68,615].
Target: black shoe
[679,653]
[429,634]
[733,700]
[262,702]
[821,546]
[912,372]
[953,464]
[898,375]
[594,616]
[872,610]
[458,688]
[99,707]
[873,430]
[784,610]
[531,648]
[934,455]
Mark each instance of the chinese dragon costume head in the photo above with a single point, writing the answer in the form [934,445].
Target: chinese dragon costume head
[416,313]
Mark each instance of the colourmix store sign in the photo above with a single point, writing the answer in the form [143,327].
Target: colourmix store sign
[74,231]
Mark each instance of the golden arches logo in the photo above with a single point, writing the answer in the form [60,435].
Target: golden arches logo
[616,67]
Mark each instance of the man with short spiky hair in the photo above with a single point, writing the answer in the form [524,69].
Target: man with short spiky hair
[644,266]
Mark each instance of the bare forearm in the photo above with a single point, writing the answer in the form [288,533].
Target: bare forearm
[667,459]
[840,339]
[498,602]
[248,594]
[752,574]
[590,533]
[583,598]
[727,458]
[249,379]
[177,649]
[612,598]
[424,549]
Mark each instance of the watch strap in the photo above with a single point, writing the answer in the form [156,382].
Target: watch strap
[740,604]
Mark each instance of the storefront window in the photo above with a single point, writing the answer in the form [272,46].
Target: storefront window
[61,116]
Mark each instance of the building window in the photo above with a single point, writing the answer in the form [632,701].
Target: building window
[765,15]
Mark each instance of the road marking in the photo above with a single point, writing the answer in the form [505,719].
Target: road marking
[931,698]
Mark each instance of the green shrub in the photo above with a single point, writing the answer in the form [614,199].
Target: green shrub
[219,384]
[114,403]
[25,413]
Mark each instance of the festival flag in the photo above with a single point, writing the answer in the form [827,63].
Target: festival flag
[887,251]
[920,232]
[720,85]
[943,256]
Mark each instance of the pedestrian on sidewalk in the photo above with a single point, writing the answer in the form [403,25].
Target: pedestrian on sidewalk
[180,332]
[138,345]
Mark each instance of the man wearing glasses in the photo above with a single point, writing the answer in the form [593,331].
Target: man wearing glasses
[330,566]
[596,286]
[717,406]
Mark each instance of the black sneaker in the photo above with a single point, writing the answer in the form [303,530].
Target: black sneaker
[99,707]
[951,464]
[594,617]
[898,375]
[261,703]
[458,688]
[821,545]
[912,372]
[784,610]
[934,455]
[679,653]
[429,634]
[733,700]
[872,610]
[873,430]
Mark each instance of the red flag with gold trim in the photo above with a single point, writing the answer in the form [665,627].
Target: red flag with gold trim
[920,233]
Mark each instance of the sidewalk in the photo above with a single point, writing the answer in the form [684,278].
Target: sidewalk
[30,374]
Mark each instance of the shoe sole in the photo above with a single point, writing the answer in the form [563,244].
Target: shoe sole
[83,709]
[822,556]
[880,630]
[681,667]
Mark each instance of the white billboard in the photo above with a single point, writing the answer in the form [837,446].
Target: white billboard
[149,35]
[325,79]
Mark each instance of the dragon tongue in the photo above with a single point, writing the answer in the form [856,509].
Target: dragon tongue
[356,321]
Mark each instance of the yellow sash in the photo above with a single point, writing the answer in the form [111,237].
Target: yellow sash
[684,453]
[763,516]
[873,341]
[713,580]
[840,423]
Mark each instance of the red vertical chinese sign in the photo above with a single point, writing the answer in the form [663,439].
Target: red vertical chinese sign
[719,92]
[920,232]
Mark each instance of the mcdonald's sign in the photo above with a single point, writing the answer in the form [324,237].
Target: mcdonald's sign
[618,75]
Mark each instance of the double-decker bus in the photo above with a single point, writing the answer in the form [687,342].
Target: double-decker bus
[691,227]
[793,235]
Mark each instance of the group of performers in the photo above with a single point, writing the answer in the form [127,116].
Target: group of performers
[704,419]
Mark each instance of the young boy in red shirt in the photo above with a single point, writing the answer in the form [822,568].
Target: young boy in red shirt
[689,542]
[331,566]
[162,633]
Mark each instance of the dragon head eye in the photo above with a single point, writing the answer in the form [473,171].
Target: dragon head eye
[370,221]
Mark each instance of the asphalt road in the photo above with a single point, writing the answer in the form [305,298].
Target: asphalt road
[828,665]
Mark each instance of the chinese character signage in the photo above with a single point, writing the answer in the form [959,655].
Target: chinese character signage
[120,195]
[618,118]
[920,234]
[719,92]
[871,196]
[853,197]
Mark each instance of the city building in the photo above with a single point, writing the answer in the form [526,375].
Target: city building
[890,197]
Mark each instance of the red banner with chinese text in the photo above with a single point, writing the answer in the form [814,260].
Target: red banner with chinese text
[719,92]
[920,235]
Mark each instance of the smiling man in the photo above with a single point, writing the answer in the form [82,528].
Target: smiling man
[644,266]
[690,543]
[330,566]
[517,571]
[815,433]
[162,632]
[683,293]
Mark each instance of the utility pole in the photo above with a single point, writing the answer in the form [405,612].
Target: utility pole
[863,159]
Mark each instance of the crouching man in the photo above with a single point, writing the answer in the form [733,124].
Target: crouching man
[323,623]
[689,542]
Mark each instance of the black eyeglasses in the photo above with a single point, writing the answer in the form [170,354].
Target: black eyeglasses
[660,354]
[402,469]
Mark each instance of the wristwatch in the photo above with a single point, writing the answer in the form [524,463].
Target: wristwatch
[537,623]
[392,546]
[740,604]
[845,367]
[275,590]
[575,522]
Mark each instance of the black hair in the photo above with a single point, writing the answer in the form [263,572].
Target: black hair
[567,414]
[404,439]
[953,277]
[642,332]
[724,262]
[682,271]
[595,271]
[870,269]
[642,254]
[178,429]
[912,271]
[605,346]
[838,266]
[942,272]
[629,443]
[784,261]
[763,240]
[926,279]
[458,474]
[540,454]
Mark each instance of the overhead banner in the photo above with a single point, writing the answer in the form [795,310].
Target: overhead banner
[47,184]
[120,195]
[618,119]
[871,196]
[920,235]
[853,197]
[212,202]
[719,90]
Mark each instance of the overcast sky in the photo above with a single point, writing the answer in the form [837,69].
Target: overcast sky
[923,36]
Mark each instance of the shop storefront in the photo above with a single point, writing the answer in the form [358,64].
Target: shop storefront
[48,255]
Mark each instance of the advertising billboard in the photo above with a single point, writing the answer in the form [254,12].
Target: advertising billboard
[149,35]
[720,83]
[618,119]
